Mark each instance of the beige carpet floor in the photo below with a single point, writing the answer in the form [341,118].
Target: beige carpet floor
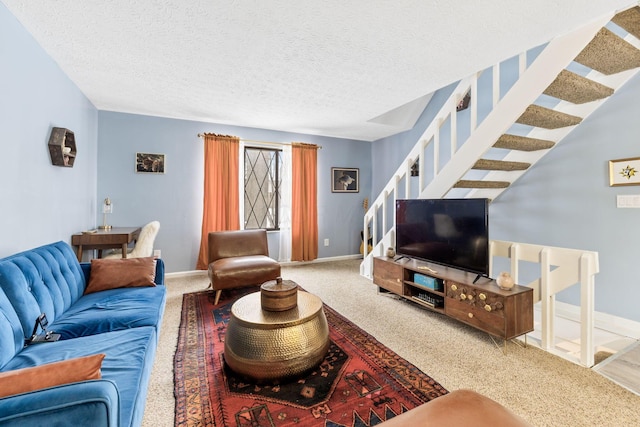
[543,388]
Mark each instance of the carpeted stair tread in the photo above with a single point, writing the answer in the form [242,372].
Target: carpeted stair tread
[464,183]
[609,54]
[542,117]
[500,165]
[522,143]
[576,89]
[629,20]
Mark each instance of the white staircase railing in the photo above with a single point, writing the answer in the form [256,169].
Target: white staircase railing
[439,148]
[558,269]
[443,160]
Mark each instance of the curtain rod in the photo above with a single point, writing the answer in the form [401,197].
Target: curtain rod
[201,135]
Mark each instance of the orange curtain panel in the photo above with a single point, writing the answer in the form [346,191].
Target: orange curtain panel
[304,202]
[221,192]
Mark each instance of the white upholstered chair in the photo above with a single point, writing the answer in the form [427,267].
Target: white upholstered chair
[144,244]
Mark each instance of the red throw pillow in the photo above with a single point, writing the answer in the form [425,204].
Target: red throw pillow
[111,273]
[50,375]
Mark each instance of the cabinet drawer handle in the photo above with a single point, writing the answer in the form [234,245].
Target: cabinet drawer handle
[487,307]
[463,297]
[454,288]
[482,297]
[470,315]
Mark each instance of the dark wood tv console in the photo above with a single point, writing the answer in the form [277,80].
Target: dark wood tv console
[502,313]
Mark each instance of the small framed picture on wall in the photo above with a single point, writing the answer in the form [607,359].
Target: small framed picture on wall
[149,163]
[345,180]
[624,172]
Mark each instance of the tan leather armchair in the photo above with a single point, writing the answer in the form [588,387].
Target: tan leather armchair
[239,258]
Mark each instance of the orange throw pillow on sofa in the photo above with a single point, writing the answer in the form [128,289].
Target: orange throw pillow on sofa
[50,375]
[111,273]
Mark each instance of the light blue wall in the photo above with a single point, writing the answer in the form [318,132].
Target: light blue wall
[41,203]
[175,198]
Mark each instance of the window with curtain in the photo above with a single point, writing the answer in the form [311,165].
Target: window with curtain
[262,184]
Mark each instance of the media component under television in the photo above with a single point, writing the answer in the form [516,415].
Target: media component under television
[451,232]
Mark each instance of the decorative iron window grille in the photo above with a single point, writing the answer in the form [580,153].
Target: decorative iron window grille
[262,180]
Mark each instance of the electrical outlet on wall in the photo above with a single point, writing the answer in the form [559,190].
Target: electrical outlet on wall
[156,253]
[628,201]
[326,242]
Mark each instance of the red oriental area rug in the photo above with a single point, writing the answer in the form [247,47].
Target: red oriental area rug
[360,383]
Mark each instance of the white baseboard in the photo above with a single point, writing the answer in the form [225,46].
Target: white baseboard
[186,273]
[285,264]
[317,260]
[603,321]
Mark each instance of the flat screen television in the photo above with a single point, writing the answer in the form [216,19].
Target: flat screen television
[451,232]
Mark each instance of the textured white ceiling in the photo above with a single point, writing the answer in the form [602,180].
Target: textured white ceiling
[331,67]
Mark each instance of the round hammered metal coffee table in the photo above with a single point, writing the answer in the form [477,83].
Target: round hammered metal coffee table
[267,345]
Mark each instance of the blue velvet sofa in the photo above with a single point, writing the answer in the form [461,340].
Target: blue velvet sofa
[122,323]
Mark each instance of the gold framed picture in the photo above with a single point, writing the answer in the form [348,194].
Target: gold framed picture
[624,172]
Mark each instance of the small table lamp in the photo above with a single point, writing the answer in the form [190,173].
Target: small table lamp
[107,208]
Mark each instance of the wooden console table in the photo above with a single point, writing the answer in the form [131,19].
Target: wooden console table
[483,305]
[114,238]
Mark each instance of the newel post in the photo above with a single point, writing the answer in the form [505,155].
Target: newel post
[548,299]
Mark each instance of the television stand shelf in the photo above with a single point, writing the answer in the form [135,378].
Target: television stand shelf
[456,294]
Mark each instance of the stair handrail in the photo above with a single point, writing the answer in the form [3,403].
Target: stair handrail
[447,113]
[560,268]
[404,170]
[555,49]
